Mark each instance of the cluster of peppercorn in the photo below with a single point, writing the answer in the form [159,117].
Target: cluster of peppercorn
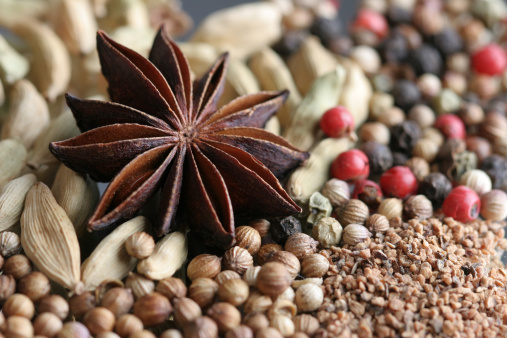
[435,128]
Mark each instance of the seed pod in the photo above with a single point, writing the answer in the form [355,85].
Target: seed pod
[172,288]
[248,238]
[226,275]
[28,114]
[355,233]
[301,245]
[13,66]
[13,155]
[12,198]
[233,291]
[337,191]
[152,309]
[127,325]
[237,259]
[99,320]
[377,223]
[186,311]
[204,266]
[51,62]
[55,304]
[391,207]
[355,211]
[418,206]
[273,279]
[203,291]
[110,259]
[139,285]
[225,315]
[140,245]
[239,81]
[118,300]
[328,232]
[19,305]
[49,239]
[309,297]
[250,276]
[314,266]
[77,194]
[47,324]
[323,95]
[168,256]
[273,74]
[288,260]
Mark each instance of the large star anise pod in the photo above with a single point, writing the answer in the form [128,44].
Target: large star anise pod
[163,131]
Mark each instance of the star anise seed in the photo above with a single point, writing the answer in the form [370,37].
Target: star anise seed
[161,131]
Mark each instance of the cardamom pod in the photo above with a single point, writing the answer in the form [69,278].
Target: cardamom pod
[77,194]
[312,176]
[74,22]
[110,259]
[323,95]
[137,38]
[200,56]
[310,62]
[132,13]
[13,158]
[273,74]
[13,66]
[168,256]
[28,114]
[12,200]
[239,81]
[50,66]
[49,239]
[60,128]
[242,29]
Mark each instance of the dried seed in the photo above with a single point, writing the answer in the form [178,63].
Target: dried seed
[204,265]
[139,285]
[13,66]
[13,155]
[140,245]
[12,200]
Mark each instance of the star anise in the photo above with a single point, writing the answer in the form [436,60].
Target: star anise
[163,131]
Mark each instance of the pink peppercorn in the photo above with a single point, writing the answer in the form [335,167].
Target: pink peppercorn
[337,122]
[399,182]
[372,21]
[490,60]
[462,204]
[369,192]
[351,166]
[451,126]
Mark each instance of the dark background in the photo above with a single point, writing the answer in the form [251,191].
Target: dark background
[199,9]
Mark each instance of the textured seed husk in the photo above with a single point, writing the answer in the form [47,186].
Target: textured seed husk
[200,56]
[312,176]
[50,68]
[273,74]
[61,128]
[75,24]
[309,63]
[239,81]
[13,66]
[77,194]
[12,200]
[28,114]
[168,256]
[357,92]
[49,239]
[110,259]
[323,95]
[242,29]
[13,158]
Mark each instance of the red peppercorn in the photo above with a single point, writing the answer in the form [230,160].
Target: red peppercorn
[369,192]
[490,60]
[337,122]
[399,182]
[351,165]
[371,21]
[462,204]
[451,126]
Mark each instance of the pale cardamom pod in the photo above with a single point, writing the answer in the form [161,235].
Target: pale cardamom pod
[49,239]
[77,194]
[239,81]
[168,256]
[110,259]
[12,200]
[13,66]
[13,159]
[201,56]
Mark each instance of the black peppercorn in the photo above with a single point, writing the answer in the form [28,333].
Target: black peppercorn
[406,94]
[283,228]
[404,136]
[471,97]
[426,59]
[399,159]
[326,29]
[379,156]
[395,48]
[436,187]
[448,41]
[397,15]
[289,43]
[496,168]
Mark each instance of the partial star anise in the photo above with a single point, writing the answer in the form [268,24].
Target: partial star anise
[163,131]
